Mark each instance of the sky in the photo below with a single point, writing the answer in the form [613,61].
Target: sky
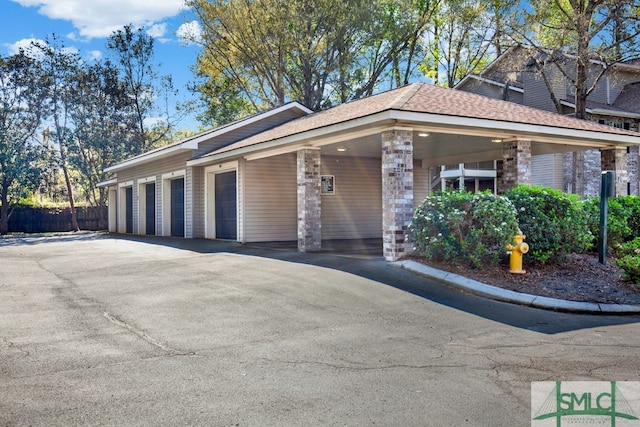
[84,25]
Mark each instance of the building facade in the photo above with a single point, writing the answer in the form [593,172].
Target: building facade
[355,171]
[526,76]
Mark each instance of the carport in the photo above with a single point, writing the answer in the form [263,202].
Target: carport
[362,167]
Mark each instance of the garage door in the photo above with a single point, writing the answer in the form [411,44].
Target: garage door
[150,206]
[226,206]
[177,207]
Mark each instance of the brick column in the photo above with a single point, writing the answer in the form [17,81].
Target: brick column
[309,210]
[397,191]
[615,159]
[577,180]
[592,173]
[516,164]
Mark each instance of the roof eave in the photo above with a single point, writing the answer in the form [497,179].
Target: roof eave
[488,81]
[107,183]
[387,118]
[193,143]
[536,132]
[145,158]
[376,119]
[604,111]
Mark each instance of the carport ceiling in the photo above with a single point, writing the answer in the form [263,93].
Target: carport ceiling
[439,148]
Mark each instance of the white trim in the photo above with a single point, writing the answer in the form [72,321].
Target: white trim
[108,183]
[488,81]
[122,206]
[147,180]
[210,173]
[154,155]
[174,174]
[435,122]
[112,217]
[304,138]
[142,204]
[166,199]
[542,133]
[604,111]
[192,143]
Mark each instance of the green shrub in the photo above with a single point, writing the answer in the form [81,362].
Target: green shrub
[554,222]
[464,227]
[623,219]
[628,258]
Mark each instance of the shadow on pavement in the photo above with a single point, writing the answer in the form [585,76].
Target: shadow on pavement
[364,259]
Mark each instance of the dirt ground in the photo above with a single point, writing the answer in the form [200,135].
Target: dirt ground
[579,278]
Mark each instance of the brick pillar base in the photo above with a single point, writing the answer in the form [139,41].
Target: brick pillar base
[397,191]
[615,160]
[309,210]
[516,164]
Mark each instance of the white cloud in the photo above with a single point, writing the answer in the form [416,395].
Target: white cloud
[99,18]
[157,30]
[27,46]
[190,32]
[94,55]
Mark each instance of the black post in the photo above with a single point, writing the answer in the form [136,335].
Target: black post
[607,189]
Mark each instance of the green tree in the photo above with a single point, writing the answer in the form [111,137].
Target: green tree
[262,53]
[462,37]
[59,65]
[20,117]
[101,136]
[602,30]
[133,52]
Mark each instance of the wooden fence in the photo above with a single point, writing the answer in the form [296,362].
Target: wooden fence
[41,220]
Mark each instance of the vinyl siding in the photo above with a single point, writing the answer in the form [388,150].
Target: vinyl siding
[484,89]
[536,94]
[194,202]
[421,183]
[546,170]
[236,135]
[158,167]
[270,199]
[355,210]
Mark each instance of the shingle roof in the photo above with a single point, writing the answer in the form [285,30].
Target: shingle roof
[629,98]
[426,98]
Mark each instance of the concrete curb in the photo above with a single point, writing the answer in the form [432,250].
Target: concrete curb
[481,289]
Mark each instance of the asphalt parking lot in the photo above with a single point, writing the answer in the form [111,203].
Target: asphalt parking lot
[107,330]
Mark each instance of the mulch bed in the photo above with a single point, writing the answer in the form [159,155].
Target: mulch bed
[580,277]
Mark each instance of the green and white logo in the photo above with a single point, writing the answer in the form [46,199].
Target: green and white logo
[585,403]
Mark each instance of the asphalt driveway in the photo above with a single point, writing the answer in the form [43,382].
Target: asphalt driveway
[99,330]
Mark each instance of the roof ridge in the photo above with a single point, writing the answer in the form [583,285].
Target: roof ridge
[405,95]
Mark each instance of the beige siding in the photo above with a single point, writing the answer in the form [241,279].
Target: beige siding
[546,170]
[355,211]
[270,210]
[421,183]
[158,167]
[194,202]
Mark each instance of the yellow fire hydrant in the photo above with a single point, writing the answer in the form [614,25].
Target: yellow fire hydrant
[516,251]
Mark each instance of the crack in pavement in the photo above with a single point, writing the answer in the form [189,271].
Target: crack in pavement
[13,345]
[113,319]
